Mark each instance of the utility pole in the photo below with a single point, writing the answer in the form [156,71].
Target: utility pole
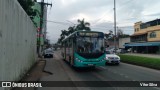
[118,35]
[115,25]
[42,3]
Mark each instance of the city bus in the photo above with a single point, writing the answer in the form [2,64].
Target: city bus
[84,49]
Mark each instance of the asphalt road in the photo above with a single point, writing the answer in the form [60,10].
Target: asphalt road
[123,72]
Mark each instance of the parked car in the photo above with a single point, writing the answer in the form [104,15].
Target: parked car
[113,50]
[129,50]
[112,58]
[48,53]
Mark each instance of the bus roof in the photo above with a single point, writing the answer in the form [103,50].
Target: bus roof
[79,31]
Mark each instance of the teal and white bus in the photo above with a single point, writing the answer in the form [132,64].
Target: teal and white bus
[84,49]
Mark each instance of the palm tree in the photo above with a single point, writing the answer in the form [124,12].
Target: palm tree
[64,33]
[83,25]
[71,29]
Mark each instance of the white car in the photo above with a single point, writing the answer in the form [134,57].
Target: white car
[48,53]
[112,58]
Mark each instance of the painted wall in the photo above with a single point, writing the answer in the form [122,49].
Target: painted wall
[17,41]
[122,41]
[36,19]
[148,30]
[157,38]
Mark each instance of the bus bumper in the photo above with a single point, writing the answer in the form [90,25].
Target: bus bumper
[89,64]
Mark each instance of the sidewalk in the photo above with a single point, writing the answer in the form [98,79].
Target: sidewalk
[34,74]
[58,74]
[144,55]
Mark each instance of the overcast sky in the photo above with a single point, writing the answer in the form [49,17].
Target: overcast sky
[100,14]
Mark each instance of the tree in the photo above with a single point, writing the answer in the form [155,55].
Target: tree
[64,33]
[27,6]
[119,32]
[109,35]
[83,25]
[71,30]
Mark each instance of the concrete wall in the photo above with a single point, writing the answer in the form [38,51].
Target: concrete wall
[122,41]
[17,41]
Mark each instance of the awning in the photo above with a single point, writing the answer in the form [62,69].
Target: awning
[143,44]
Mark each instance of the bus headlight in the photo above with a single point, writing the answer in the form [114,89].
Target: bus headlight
[78,60]
[102,59]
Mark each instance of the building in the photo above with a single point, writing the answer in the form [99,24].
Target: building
[40,37]
[146,37]
[123,41]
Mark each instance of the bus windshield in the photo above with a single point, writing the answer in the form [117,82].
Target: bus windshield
[90,45]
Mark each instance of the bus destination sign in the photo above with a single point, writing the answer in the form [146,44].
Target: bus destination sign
[90,34]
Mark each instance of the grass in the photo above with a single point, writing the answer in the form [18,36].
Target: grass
[141,61]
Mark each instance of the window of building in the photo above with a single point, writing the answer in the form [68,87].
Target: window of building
[143,25]
[152,35]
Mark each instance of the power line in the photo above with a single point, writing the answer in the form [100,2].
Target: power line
[96,21]
[112,29]
[93,27]
[57,22]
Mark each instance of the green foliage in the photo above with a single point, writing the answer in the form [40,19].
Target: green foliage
[71,30]
[82,25]
[142,61]
[27,6]
[109,35]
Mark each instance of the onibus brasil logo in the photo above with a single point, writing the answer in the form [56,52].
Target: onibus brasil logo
[25,84]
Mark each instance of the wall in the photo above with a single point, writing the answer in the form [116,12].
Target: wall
[122,41]
[111,44]
[36,19]
[157,38]
[17,41]
[137,27]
